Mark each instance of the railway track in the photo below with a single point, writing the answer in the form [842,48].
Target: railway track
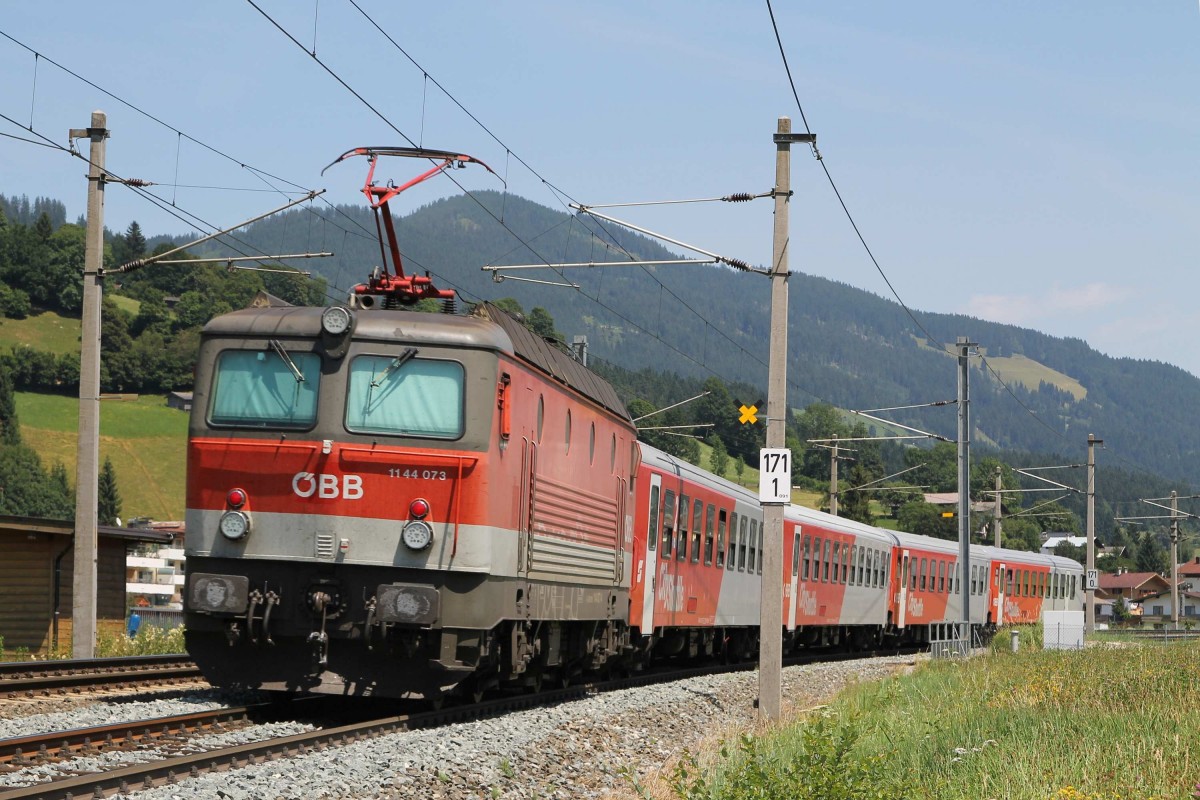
[46,678]
[18,753]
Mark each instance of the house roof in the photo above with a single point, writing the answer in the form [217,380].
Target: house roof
[1191,568]
[951,499]
[67,528]
[1054,541]
[1129,580]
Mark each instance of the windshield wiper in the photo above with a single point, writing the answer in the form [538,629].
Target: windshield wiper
[397,362]
[278,348]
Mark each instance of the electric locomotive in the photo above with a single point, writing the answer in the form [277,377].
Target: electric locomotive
[388,502]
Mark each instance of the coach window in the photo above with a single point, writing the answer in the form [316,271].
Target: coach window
[741,559]
[753,549]
[405,396]
[845,561]
[884,564]
[697,528]
[906,573]
[681,544]
[721,516]
[1008,582]
[709,514]
[762,536]
[862,565]
[953,579]
[941,570]
[825,563]
[807,554]
[924,573]
[853,563]
[260,389]
[795,553]
[731,558]
[1072,587]
[837,560]
[668,528]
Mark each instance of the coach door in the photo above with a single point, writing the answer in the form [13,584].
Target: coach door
[795,579]
[1001,594]
[650,570]
[902,595]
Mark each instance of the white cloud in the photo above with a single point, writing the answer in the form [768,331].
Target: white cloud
[1056,302]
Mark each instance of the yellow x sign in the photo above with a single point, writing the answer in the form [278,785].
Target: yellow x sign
[748,414]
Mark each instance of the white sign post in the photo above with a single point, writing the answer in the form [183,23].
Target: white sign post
[775,475]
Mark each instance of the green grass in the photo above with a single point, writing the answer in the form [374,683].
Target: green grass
[145,440]
[45,331]
[1030,373]
[1112,722]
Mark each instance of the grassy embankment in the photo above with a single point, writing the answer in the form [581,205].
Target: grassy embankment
[145,440]
[1114,722]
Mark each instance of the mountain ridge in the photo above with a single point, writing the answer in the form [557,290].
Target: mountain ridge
[849,347]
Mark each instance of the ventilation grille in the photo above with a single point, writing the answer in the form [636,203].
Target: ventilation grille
[325,547]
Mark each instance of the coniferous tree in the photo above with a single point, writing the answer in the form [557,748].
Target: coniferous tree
[135,242]
[10,429]
[108,499]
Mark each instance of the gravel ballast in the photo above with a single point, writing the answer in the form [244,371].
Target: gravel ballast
[590,748]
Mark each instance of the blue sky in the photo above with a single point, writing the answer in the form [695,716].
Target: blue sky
[1023,162]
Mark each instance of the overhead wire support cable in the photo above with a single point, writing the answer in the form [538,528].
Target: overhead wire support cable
[924,434]
[740,197]
[936,403]
[141,262]
[668,408]
[733,262]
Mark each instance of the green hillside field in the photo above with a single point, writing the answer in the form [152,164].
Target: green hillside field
[145,439]
[44,331]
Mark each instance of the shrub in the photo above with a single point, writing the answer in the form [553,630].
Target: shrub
[819,760]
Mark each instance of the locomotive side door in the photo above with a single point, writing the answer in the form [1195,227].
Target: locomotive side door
[525,510]
[902,595]
[649,573]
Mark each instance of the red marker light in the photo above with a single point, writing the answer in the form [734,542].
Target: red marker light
[236,498]
[418,508]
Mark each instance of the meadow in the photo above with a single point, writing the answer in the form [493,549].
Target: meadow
[1116,721]
[145,439]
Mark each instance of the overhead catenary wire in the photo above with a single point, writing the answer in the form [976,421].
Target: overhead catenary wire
[482,205]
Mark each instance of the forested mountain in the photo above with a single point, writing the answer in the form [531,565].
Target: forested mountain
[847,347]
[660,334]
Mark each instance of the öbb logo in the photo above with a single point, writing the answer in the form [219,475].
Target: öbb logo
[327,487]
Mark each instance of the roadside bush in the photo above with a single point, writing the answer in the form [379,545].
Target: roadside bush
[817,760]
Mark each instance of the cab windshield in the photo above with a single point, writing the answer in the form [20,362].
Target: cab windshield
[405,396]
[270,388]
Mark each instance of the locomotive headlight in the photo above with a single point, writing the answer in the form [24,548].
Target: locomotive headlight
[335,320]
[234,525]
[417,535]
